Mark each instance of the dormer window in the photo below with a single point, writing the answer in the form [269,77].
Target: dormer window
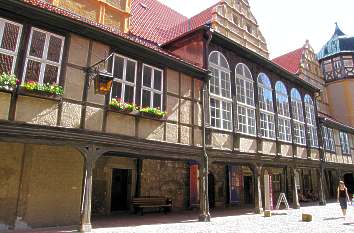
[249,28]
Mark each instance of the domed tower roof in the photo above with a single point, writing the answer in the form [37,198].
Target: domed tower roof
[337,44]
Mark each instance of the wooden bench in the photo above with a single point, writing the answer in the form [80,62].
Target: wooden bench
[160,203]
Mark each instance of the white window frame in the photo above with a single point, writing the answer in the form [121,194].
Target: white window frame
[13,54]
[250,120]
[344,141]
[219,97]
[311,121]
[298,117]
[328,139]
[123,81]
[282,129]
[267,132]
[43,61]
[151,89]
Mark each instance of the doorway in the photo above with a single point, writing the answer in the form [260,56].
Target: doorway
[211,190]
[349,182]
[248,187]
[119,191]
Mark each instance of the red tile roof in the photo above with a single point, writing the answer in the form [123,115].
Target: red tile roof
[159,23]
[290,61]
[133,38]
[153,21]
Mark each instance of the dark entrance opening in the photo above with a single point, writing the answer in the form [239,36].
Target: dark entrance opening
[211,190]
[248,187]
[349,183]
[119,194]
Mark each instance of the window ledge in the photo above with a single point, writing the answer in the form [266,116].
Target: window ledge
[39,94]
[2,89]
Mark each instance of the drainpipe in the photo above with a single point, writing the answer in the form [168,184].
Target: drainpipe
[204,201]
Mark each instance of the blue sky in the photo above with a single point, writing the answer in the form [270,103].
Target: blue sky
[286,24]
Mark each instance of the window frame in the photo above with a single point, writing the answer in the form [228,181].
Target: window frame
[268,113]
[15,53]
[249,124]
[298,117]
[345,144]
[310,117]
[43,61]
[328,139]
[123,81]
[151,89]
[219,97]
[286,118]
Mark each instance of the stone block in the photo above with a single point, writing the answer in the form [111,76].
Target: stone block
[267,213]
[186,135]
[186,111]
[71,115]
[198,114]
[78,52]
[248,144]
[99,51]
[186,86]
[172,81]
[36,111]
[222,141]
[171,133]
[120,124]
[198,86]
[150,129]
[172,108]
[306,217]
[198,137]
[5,99]
[94,118]
[74,84]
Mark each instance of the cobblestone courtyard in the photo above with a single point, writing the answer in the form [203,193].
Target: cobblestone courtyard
[326,219]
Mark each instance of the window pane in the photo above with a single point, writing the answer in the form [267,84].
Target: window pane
[10,36]
[33,70]
[118,67]
[37,44]
[6,63]
[157,80]
[147,76]
[50,74]
[129,94]
[130,72]
[54,49]
[157,100]
[146,98]
[117,90]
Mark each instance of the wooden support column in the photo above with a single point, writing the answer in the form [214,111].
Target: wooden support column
[321,196]
[257,170]
[203,194]
[91,154]
[296,204]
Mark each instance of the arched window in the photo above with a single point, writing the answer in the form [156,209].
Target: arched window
[220,92]
[265,98]
[311,121]
[245,100]
[284,127]
[298,116]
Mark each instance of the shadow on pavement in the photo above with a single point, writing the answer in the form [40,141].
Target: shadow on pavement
[327,219]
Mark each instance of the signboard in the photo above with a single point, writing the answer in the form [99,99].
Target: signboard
[193,185]
[235,184]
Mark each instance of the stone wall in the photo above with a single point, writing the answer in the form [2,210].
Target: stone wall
[167,179]
[50,190]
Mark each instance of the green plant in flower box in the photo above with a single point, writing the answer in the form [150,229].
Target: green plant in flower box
[153,111]
[8,81]
[53,89]
[118,104]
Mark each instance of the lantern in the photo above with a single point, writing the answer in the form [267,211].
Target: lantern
[103,83]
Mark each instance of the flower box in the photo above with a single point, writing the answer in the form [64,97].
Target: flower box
[153,113]
[120,106]
[38,89]
[8,82]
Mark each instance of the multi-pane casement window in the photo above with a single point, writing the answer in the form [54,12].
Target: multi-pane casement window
[298,117]
[43,58]
[311,121]
[152,87]
[220,92]
[328,139]
[284,125]
[265,98]
[245,100]
[10,34]
[344,141]
[124,73]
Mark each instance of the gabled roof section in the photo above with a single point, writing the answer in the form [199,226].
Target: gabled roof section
[202,18]
[153,21]
[290,61]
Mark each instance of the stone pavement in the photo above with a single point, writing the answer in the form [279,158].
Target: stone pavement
[326,219]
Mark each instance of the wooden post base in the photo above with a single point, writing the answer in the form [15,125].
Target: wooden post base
[306,217]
